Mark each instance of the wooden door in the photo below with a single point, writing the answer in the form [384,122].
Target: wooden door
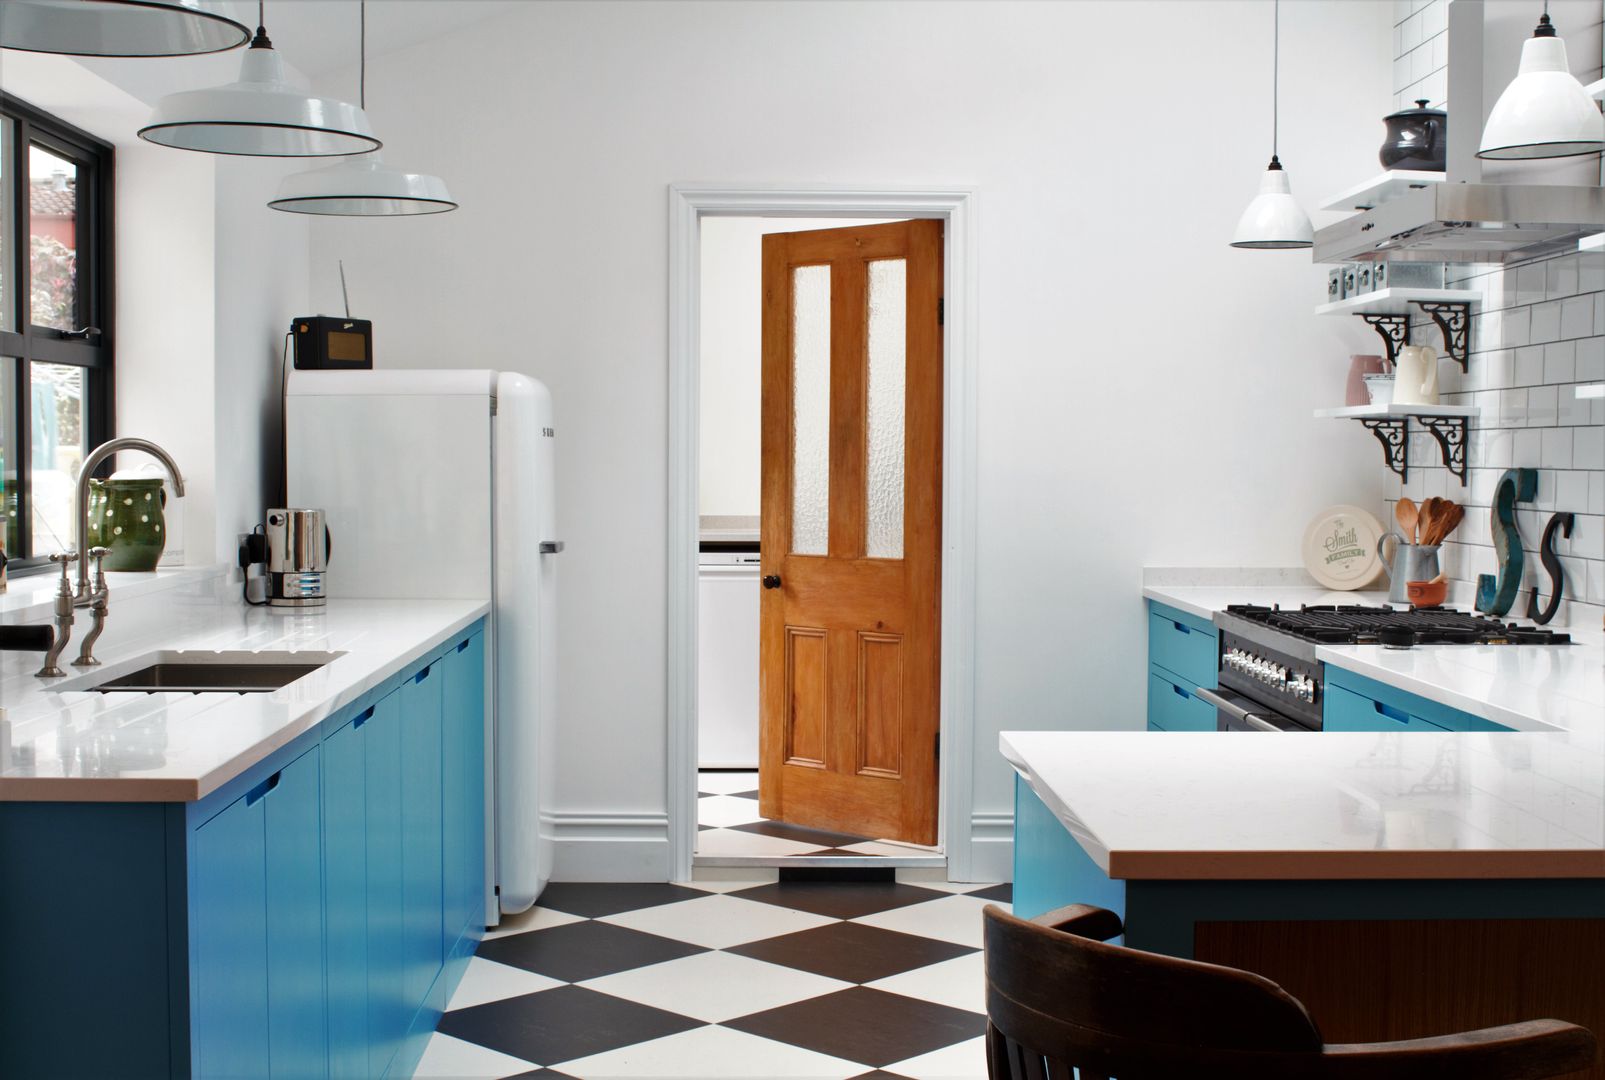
[851,529]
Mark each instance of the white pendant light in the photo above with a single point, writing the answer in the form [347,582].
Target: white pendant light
[1544,112]
[364,186]
[1274,220]
[121,27]
[264,114]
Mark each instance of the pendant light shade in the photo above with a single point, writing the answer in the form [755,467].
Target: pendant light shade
[262,115]
[1544,112]
[363,187]
[121,27]
[1274,220]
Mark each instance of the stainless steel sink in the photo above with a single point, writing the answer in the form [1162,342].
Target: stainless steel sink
[206,673]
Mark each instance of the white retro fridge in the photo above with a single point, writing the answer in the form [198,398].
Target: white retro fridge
[438,484]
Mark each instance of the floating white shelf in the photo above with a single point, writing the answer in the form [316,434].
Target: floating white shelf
[1592,243]
[1393,301]
[1394,412]
[1591,390]
[1380,189]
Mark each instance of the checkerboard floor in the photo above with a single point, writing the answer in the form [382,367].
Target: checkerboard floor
[741,976]
[729,824]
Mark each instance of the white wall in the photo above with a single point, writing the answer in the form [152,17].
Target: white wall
[1145,391]
[730,359]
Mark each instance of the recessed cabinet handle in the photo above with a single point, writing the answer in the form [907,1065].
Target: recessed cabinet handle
[1391,713]
[256,793]
[362,718]
[424,674]
[1180,692]
[463,644]
[1183,629]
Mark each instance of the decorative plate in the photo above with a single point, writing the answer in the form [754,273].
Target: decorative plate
[1340,548]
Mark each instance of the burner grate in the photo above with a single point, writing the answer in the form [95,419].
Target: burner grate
[1361,624]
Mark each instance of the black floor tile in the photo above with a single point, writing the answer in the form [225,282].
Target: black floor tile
[584,950]
[858,875]
[868,1026]
[596,899]
[1000,894]
[844,851]
[852,952]
[753,794]
[873,1074]
[705,828]
[801,834]
[839,900]
[562,1024]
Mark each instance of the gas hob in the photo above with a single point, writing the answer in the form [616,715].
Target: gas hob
[1362,625]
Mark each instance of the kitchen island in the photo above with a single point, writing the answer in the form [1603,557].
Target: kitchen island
[228,884]
[1399,884]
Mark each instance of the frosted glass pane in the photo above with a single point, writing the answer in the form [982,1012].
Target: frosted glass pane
[888,339]
[810,404]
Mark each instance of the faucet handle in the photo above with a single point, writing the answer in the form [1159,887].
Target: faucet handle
[64,557]
[98,554]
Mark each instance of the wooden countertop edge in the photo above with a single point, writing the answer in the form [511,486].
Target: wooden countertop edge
[95,789]
[1354,865]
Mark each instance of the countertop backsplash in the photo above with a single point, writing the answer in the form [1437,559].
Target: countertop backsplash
[1538,333]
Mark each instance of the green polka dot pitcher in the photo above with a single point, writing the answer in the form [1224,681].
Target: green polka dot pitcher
[125,516]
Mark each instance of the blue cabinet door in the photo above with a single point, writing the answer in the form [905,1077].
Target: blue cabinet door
[297,1046]
[1347,711]
[345,888]
[420,830]
[463,788]
[1174,707]
[388,1014]
[229,942]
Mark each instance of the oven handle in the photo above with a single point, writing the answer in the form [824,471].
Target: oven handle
[1237,712]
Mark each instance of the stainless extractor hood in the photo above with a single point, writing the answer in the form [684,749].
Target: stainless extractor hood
[1467,223]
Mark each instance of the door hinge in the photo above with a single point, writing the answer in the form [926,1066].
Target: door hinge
[941,310]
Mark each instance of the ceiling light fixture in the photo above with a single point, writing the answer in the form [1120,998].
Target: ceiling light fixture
[1544,112]
[264,114]
[121,27]
[1274,220]
[364,186]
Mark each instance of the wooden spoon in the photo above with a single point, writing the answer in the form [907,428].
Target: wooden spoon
[1427,519]
[1448,517]
[1407,514]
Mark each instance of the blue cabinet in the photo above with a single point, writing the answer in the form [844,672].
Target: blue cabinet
[1356,703]
[1183,654]
[463,790]
[345,876]
[388,1012]
[422,890]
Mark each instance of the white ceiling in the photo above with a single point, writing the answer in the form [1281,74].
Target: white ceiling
[314,36]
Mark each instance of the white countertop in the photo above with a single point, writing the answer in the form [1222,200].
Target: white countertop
[1527,687]
[62,745]
[1204,805]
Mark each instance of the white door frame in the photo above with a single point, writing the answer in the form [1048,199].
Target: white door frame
[688,204]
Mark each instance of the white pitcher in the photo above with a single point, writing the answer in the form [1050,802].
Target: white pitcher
[1415,376]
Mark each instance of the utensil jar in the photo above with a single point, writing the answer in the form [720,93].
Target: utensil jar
[1406,563]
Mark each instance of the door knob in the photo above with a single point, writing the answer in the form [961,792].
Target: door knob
[771,581]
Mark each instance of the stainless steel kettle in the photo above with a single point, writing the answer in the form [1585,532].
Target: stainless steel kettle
[297,557]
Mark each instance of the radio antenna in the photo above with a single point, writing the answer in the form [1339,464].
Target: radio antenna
[343,292]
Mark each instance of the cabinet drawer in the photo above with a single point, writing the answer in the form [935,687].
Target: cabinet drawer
[1347,711]
[1181,648]
[1172,707]
[1428,714]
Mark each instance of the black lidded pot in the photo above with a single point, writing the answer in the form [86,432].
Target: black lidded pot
[1417,139]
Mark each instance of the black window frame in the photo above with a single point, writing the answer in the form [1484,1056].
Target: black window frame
[29,344]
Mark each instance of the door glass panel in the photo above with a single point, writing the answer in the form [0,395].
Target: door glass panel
[810,404]
[888,293]
[57,452]
[8,226]
[53,239]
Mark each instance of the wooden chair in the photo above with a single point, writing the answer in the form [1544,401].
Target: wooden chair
[1057,997]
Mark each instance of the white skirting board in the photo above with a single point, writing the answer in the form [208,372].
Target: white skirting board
[603,846]
[992,846]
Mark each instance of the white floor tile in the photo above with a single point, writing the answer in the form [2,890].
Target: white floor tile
[486,980]
[445,1056]
[715,986]
[718,922]
[720,842]
[723,811]
[952,918]
[961,1061]
[936,878]
[723,783]
[710,1052]
[536,918]
[720,879]
[960,983]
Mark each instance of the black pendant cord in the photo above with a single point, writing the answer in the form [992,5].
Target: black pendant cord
[1276,70]
[362,54]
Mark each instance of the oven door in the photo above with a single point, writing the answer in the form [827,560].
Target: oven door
[1234,712]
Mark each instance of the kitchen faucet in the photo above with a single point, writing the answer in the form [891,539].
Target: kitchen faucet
[84,596]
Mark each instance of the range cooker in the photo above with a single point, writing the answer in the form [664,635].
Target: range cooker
[1270,680]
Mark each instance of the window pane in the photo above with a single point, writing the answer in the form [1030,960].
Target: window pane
[8,226]
[888,316]
[8,456]
[810,403]
[57,401]
[53,239]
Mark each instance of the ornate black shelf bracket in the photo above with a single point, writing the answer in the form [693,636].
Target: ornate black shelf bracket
[1450,431]
[1393,434]
[1395,332]
[1454,319]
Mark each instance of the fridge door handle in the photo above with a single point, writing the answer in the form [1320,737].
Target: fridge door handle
[551,547]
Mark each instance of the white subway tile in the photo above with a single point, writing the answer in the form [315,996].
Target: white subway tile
[1599,313]
[1560,362]
[1440,51]
[1421,62]
[1544,500]
[1530,281]
[1557,448]
[1596,492]
[1571,490]
[1588,535]
[1497,447]
[1513,408]
[1588,448]
[1435,88]
[1542,410]
[1560,276]
[1487,331]
[1545,321]
[1530,365]
[1591,359]
[1596,583]
[1577,317]
[1574,411]
[1591,271]
[1434,18]
[1412,32]
[1402,76]
[1529,445]
[1517,331]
